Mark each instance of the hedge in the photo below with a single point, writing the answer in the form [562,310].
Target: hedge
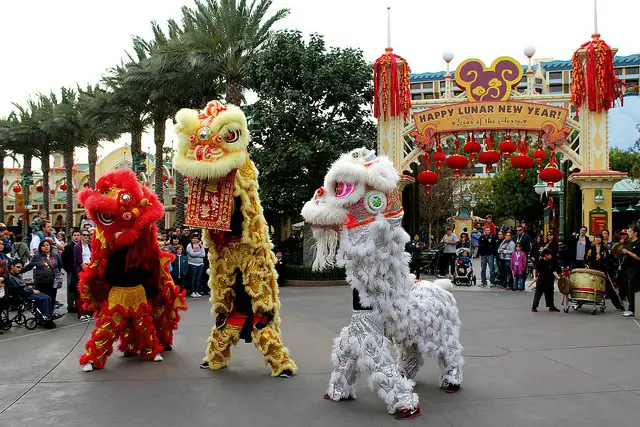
[302,272]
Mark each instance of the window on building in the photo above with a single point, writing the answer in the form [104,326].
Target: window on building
[10,207]
[416,85]
[415,96]
[631,70]
[538,81]
[617,71]
[556,75]
[428,85]
[428,96]
[443,84]
[555,89]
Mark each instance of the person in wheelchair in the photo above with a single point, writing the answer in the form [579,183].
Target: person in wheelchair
[26,292]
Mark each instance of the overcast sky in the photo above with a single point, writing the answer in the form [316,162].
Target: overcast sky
[48,44]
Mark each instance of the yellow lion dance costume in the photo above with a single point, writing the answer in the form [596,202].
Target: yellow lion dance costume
[223,201]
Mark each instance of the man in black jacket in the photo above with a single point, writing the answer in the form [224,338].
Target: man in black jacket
[68,266]
[486,250]
[523,239]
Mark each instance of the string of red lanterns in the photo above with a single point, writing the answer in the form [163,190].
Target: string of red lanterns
[517,152]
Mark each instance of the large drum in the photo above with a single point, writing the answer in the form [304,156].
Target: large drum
[588,285]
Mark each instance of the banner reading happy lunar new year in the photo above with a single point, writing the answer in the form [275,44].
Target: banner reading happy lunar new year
[480,116]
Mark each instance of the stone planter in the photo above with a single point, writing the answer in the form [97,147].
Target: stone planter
[314,283]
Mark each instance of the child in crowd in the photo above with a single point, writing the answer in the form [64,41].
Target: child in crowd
[548,271]
[519,268]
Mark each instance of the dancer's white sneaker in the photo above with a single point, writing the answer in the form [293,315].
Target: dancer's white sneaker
[88,367]
[158,358]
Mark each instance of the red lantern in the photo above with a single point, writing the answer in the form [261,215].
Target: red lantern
[53,192]
[5,194]
[40,188]
[147,183]
[439,158]
[472,148]
[63,187]
[164,178]
[428,178]
[171,181]
[507,147]
[539,155]
[75,190]
[85,185]
[489,158]
[17,189]
[522,162]
[456,162]
[551,174]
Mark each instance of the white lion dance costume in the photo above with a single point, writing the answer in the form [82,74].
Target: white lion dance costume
[360,206]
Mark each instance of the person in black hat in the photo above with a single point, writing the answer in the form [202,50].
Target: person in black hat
[548,271]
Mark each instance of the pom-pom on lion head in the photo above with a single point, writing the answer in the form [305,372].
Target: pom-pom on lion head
[359,188]
[121,208]
[211,143]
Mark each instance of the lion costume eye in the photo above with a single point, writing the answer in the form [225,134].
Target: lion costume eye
[232,136]
[204,134]
[343,189]
[375,202]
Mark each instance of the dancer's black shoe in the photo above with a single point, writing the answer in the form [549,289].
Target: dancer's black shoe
[286,374]
[450,388]
[342,399]
[407,414]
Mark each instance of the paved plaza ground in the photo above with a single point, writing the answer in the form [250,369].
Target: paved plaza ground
[522,369]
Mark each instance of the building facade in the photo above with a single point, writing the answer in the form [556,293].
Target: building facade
[117,159]
[551,77]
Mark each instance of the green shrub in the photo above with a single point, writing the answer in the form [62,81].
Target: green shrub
[302,272]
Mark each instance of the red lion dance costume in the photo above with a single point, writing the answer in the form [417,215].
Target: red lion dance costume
[128,283]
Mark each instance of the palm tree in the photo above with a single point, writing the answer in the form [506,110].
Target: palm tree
[127,106]
[163,71]
[5,147]
[97,125]
[41,111]
[224,35]
[66,128]
[20,141]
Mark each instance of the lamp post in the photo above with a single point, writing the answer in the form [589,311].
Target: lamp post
[529,51]
[448,57]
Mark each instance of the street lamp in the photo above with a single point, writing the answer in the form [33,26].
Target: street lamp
[598,197]
[540,188]
[473,202]
[448,57]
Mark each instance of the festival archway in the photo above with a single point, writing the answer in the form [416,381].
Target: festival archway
[496,120]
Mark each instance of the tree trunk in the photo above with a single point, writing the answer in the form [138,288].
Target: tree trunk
[25,218]
[234,92]
[136,146]
[179,207]
[2,156]
[159,129]
[93,161]
[46,169]
[68,166]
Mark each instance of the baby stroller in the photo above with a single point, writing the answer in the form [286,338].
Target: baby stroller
[463,271]
[430,260]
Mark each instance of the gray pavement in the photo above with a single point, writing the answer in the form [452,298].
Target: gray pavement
[522,369]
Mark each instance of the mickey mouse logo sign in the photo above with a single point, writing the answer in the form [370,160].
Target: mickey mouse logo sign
[488,84]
